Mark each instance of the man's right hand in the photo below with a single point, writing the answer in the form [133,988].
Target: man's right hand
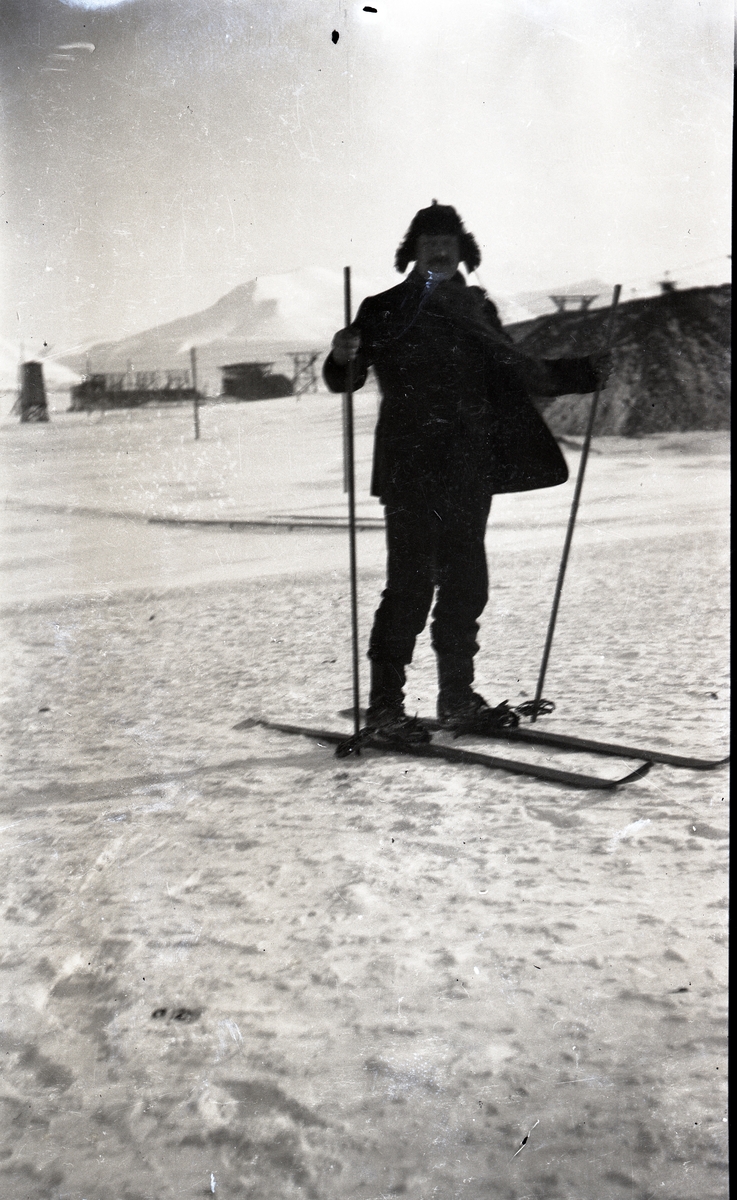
[346,344]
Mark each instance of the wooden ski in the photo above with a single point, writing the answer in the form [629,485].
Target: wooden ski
[566,741]
[455,754]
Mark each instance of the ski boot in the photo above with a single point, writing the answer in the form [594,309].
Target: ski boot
[389,725]
[468,712]
[386,720]
[462,710]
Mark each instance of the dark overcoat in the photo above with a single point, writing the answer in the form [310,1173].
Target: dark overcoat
[455,393]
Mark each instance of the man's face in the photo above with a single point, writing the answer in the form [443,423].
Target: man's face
[437,254]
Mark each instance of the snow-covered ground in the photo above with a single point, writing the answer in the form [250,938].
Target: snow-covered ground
[235,964]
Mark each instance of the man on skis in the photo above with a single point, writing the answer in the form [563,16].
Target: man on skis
[456,425]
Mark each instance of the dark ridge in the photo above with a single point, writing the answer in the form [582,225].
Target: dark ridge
[671,370]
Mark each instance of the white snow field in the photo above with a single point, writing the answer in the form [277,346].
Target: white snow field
[233,964]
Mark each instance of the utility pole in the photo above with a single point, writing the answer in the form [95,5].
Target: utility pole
[193,360]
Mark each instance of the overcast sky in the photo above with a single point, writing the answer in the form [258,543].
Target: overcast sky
[159,152]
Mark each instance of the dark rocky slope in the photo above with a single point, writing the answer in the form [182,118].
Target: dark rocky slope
[671,363]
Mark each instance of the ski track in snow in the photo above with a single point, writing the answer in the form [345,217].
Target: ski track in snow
[232,961]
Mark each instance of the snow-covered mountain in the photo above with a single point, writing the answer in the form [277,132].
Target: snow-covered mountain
[265,319]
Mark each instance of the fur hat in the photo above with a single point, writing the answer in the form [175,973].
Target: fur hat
[437,219]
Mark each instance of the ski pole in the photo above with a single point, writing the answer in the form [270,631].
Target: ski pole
[535,707]
[351,487]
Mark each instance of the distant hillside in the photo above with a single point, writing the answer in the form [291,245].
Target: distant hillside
[672,355]
[671,363]
[264,319]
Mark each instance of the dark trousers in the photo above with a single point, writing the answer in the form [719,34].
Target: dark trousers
[435,543]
